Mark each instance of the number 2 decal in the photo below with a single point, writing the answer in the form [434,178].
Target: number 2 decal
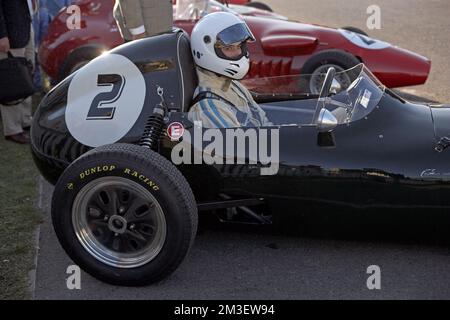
[101,106]
[365,39]
[98,109]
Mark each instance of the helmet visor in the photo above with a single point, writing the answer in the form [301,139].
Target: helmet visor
[234,34]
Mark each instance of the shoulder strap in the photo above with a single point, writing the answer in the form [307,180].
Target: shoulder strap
[210,95]
[242,117]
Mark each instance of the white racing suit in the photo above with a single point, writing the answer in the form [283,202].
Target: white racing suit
[224,103]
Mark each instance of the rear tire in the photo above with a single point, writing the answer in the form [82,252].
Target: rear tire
[76,60]
[124,214]
[259,5]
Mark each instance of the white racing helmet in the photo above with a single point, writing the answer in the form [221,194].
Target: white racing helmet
[214,32]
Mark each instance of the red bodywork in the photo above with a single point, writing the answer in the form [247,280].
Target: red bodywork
[241,2]
[282,47]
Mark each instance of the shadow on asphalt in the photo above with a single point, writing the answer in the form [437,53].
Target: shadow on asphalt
[403,227]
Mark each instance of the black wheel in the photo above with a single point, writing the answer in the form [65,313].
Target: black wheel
[259,5]
[77,60]
[356,30]
[124,214]
[318,65]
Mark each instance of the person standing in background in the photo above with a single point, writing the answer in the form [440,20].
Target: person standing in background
[54,6]
[41,20]
[138,19]
[16,36]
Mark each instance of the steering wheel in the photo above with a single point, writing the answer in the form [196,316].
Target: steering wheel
[324,92]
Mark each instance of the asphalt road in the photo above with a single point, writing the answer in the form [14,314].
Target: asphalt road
[247,263]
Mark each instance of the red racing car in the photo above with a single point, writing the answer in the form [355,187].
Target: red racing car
[249,3]
[282,47]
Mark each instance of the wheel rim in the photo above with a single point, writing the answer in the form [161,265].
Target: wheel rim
[318,76]
[119,222]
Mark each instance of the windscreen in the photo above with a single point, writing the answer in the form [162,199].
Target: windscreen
[354,92]
[359,99]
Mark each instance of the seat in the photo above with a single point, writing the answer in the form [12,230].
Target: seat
[188,73]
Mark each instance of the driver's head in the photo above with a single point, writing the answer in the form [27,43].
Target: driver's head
[219,44]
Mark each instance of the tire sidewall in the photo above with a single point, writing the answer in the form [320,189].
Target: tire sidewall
[71,183]
[356,30]
[342,59]
[80,55]
[259,5]
[338,58]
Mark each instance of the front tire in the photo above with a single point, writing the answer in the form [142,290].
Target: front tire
[356,30]
[124,214]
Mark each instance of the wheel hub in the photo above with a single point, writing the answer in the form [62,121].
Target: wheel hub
[117,224]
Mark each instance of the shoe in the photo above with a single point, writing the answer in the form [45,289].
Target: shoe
[26,132]
[18,138]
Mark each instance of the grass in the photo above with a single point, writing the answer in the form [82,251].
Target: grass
[19,217]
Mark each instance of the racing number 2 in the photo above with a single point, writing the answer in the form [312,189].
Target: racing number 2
[97,110]
[365,39]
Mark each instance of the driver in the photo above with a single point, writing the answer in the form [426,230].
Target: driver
[219,47]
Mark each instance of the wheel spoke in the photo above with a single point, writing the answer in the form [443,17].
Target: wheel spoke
[135,240]
[99,201]
[100,231]
[135,235]
[116,243]
[99,223]
[94,212]
[125,196]
[147,229]
[134,244]
[138,210]
[107,200]
[114,200]
[140,220]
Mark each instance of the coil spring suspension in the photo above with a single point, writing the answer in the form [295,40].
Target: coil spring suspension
[152,131]
[155,122]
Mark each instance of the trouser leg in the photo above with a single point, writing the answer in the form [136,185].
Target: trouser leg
[15,117]
[26,112]
[12,119]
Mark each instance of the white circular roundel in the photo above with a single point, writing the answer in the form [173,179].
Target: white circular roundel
[363,41]
[105,99]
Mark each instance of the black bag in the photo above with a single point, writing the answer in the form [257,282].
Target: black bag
[16,80]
